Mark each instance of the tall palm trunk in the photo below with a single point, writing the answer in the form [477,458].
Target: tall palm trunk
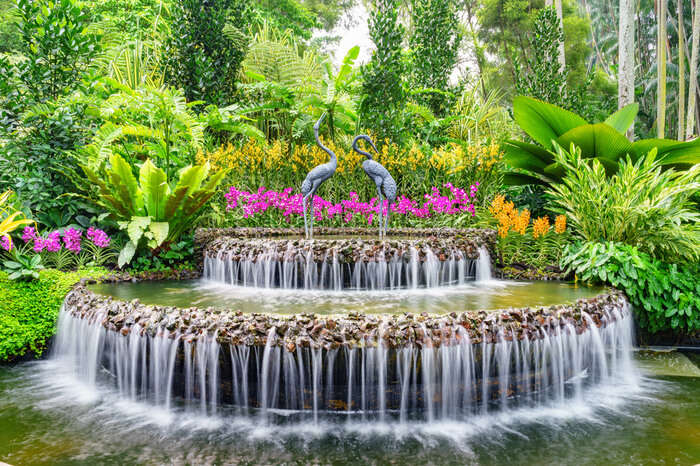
[625,86]
[693,76]
[661,68]
[681,73]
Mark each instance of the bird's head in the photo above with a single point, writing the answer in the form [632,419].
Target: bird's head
[368,140]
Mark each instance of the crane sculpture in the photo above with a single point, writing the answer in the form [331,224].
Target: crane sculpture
[313,180]
[382,179]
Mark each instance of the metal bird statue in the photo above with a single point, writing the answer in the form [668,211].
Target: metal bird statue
[382,179]
[314,179]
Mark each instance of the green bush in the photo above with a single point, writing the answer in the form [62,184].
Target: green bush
[640,205]
[28,310]
[664,296]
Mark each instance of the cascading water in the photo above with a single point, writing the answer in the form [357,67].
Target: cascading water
[452,379]
[297,269]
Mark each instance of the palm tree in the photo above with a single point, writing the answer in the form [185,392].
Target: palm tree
[625,89]
[661,68]
[693,76]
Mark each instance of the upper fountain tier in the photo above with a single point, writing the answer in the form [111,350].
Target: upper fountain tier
[343,258]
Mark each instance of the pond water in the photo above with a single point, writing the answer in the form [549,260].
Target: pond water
[488,295]
[47,417]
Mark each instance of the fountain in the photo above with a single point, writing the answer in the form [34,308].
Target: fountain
[396,366]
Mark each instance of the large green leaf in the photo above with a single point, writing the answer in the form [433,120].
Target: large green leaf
[126,254]
[623,118]
[136,227]
[670,152]
[598,140]
[160,231]
[124,185]
[154,184]
[544,122]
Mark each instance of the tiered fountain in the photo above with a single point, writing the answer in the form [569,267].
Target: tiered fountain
[392,363]
[407,326]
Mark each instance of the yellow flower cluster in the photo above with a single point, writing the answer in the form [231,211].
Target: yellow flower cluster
[509,218]
[540,227]
[254,157]
[560,224]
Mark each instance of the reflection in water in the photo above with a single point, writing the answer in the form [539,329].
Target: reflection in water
[487,295]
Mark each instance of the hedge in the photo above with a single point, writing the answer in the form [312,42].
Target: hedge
[28,310]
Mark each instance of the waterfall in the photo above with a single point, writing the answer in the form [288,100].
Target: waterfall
[412,268]
[483,265]
[455,380]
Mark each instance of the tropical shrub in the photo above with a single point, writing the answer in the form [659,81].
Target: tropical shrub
[198,56]
[641,205]
[150,209]
[58,46]
[383,95]
[28,310]
[145,123]
[663,296]
[549,126]
[22,267]
[542,77]
[537,244]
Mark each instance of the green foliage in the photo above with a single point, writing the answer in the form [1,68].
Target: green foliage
[551,126]
[142,123]
[57,45]
[434,44]
[664,296]
[542,76]
[640,205]
[333,98]
[23,267]
[383,96]
[28,310]
[198,56]
[284,15]
[32,161]
[180,255]
[150,209]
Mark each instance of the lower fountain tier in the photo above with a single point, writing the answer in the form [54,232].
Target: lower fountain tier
[449,371]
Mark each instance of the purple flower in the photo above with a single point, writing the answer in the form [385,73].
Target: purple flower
[53,242]
[98,237]
[71,238]
[6,243]
[29,234]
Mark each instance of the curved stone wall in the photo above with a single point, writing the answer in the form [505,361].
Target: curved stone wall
[444,366]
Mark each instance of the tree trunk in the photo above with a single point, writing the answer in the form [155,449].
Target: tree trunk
[693,76]
[661,69]
[625,86]
[681,73]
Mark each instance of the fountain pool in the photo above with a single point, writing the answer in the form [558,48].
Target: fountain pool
[337,350]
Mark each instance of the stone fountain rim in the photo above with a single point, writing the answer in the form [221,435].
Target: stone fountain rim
[517,322]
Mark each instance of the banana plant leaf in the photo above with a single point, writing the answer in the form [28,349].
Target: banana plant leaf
[544,122]
[598,140]
[623,118]
[670,152]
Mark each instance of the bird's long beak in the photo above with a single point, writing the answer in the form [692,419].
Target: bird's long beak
[373,146]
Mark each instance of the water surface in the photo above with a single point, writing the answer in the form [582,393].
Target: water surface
[47,417]
[488,295]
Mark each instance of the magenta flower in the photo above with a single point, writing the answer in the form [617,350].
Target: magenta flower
[72,238]
[6,243]
[98,237]
[53,242]
[29,234]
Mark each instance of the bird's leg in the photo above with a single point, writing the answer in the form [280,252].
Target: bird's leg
[381,208]
[386,219]
[311,211]
[303,206]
